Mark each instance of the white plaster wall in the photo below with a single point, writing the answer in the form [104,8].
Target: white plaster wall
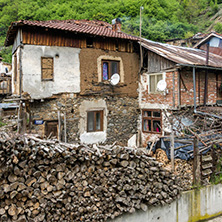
[66,70]
[194,205]
[92,137]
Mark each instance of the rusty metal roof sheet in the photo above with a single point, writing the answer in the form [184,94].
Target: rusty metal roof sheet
[97,28]
[182,55]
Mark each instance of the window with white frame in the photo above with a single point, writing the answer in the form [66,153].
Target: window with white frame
[153,80]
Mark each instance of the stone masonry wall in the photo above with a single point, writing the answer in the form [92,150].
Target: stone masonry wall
[122,116]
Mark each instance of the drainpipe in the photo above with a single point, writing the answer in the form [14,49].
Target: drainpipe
[194,89]
[206,77]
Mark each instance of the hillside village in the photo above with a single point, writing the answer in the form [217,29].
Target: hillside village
[101,123]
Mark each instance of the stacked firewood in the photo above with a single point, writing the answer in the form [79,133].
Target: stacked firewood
[44,180]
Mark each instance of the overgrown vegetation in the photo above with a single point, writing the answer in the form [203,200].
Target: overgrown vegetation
[162,19]
[217,177]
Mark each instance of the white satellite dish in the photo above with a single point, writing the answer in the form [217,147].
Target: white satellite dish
[115,78]
[161,85]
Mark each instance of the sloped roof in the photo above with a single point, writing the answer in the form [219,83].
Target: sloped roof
[94,27]
[204,40]
[182,55]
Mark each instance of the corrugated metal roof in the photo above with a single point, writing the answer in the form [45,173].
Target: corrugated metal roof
[97,28]
[8,105]
[182,55]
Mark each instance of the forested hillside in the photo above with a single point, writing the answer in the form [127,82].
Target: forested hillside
[162,19]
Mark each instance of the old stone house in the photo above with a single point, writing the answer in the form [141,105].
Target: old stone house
[5,79]
[62,71]
[66,66]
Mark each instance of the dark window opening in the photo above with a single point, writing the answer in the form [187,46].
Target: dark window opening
[89,42]
[51,128]
[151,121]
[94,121]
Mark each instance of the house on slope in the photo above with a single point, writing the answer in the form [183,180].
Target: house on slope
[188,42]
[5,79]
[183,72]
[211,42]
[62,72]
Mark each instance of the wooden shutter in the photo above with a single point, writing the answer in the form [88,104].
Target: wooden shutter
[47,68]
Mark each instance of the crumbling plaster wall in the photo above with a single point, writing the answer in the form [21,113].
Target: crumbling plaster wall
[187,95]
[159,101]
[90,67]
[93,105]
[169,99]
[15,81]
[66,70]
[120,117]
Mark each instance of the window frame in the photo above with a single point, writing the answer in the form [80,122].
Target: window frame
[44,79]
[152,118]
[109,61]
[149,86]
[94,122]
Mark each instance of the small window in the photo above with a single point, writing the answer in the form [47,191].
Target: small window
[109,68]
[94,121]
[47,68]
[153,80]
[152,121]
[89,42]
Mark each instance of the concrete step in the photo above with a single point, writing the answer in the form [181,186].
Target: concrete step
[207,158]
[206,172]
[207,166]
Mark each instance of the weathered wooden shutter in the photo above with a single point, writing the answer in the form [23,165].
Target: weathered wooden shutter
[47,68]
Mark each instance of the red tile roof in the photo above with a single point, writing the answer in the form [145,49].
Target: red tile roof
[97,28]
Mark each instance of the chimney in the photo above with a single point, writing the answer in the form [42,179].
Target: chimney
[116,25]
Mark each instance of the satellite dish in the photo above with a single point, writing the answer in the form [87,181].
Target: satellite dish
[161,85]
[115,78]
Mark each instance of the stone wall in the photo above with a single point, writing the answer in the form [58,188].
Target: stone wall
[120,115]
[42,180]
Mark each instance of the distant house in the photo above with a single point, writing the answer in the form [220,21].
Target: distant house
[188,42]
[5,78]
[63,72]
[213,42]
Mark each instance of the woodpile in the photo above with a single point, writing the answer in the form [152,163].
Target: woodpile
[183,168]
[44,180]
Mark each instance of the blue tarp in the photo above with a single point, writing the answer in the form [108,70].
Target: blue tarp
[182,153]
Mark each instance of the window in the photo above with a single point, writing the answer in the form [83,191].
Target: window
[152,121]
[109,68]
[47,68]
[94,121]
[153,80]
